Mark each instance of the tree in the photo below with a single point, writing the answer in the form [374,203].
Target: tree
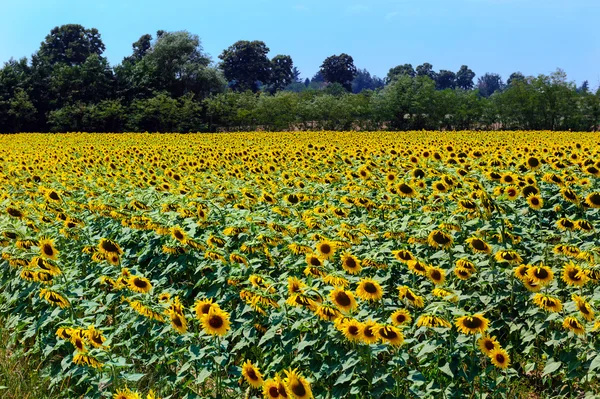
[515,77]
[296,74]
[71,44]
[445,80]
[584,88]
[306,82]
[489,83]
[400,70]
[22,110]
[339,69]
[464,78]
[364,81]
[140,48]
[426,69]
[245,65]
[282,72]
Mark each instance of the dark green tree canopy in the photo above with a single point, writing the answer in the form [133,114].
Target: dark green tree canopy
[464,78]
[282,72]
[426,69]
[245,65]
[489,83]
[514,78]
[445,80]
[71,44]
[400,70]
[339,69]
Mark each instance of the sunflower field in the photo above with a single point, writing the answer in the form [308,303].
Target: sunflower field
[301,265]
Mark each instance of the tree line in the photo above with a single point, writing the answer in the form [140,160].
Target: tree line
[169,83]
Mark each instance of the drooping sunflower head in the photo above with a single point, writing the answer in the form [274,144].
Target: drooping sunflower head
[178,234]
[572,324]
[313,260]
[391,335]
[472,324]
[584,307]
[547,302]
[107,246]
[478,245]
[418,267]
[403,255]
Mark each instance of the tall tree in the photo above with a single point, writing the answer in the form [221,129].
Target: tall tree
[296,74]
[339,69]
[364,81]
[426,69]
[489,83]
[400,70]
[245,65]
[445,80]
[71,44]
[515,77]
[464,78]
[282,72]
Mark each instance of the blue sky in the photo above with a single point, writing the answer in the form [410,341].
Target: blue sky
[502,36]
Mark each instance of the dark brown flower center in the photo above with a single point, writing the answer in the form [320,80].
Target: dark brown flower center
[343,299]
[215,321]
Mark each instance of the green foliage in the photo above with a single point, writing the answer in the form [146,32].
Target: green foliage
[245,65]
[339,69]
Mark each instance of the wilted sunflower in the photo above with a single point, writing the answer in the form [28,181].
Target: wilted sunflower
[47,249]
[488,344]
[584,225]
[295,285]
[432,321]
[405,292]
[478,245]
[95,337]
[572,324]
[401,317]
[54,298]
[368,333]
[508,256]
[178,322]
[297,385]
[327,312]
[417,267]
[547,303]
[107,246]
[574,275]
[140,284]
[343,299]
[440,239]
[369,290]
[403,255]
[391,335]
[216,322]
[500,358]
[252,374]
[540,274]
[472,324]
[565,224]
[84,359]
[584,307]
[351,263]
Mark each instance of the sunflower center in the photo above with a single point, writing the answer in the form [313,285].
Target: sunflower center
[500,358]
[140,283]
[325,248]
[369,332]
[489,345]
[178,235]
[574,275]
[109,246]
[215,321]
[273,392]
[370,288]
[401,318]
[177,321]
[343,299]
[350,263]
[252,375]
[353,330]
[541,273]
[478,244]
[314,261]
[48,250]
[405,188]
[388,333]
[473,322]
[436,275]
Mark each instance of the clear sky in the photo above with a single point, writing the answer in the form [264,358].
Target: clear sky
[502,36]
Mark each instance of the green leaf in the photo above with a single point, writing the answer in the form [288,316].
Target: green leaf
[133,377]
[595,363]
[202,375]
[446,370]
[551,366]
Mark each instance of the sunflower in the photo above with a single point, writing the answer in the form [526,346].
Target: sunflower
[445,294]
[565,224]
[593,200]
[405,292]
[313,260]
[488,344]
[432,321]
[107,246]
[472,324]
[78,343]
[584,307]
[140,284]
[252,375]
[436,275]
[123,394]
[584,225]
[535,201]
[368,333]
[327,312]
[417,267]
[531,285]
[512,192]
[336,281]
[351,263]
[500,358]
[54,298]
[343,299]
[573,275]
[508,256]
[440,239]
[478,245]
[47,249]
[274,388]
[401,317]
[326,249]
[462,273]
[405,190]
[540,274]
[295,285]
[216,322]
[297,385]
[178,322]
[95,337]
[203,306]
[547,303]
[572,324]
[520,272]
[351,329]
[391,335]
[369,290]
